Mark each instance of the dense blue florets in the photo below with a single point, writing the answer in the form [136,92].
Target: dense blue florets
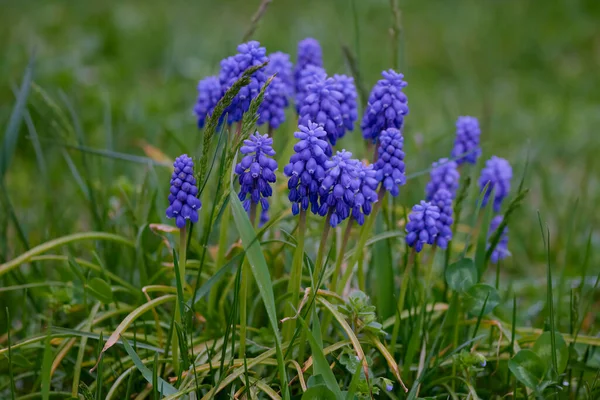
[280,64]
[209,94]
[390,162]
[272,109]
[366,194]
[183,203]
[422,227]
[497,175]
[442,199]
[387,105]
[256,171]
[249,54]
[339,187]
[321,105]
[345,85]
[466,145]
[306,169]
[308,76]
[309,53]
[444,175]
[501,250]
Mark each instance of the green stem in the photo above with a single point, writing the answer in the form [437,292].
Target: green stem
[295,277]
[365,232]
[403,287]
[223,233]
[340,256]
[182,261]
[244,285]
[321,252]
[430,270]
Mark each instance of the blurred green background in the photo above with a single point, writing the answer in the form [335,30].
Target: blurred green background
[129,69]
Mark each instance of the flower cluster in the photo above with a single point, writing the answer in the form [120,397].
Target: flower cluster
[442,199]
[366,194]
[276,100]
[209,94]
[466,145]
[339,187]
[280,64]
[422,227]
[249,54]
[386,107]
[497,175]
[390,162]
[321,105]
[345,85]
[309,53]
[308,76]
[256,171]
[444,175]
[501,250]
[306,168]
[183,203]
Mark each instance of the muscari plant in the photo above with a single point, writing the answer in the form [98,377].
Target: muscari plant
[325,187]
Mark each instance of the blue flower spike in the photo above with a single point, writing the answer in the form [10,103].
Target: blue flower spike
[390,162]
[444,175]
[339,187]
[466,145]
[442,199]
[209,94]
[422,227]
[497,175]
[183,201]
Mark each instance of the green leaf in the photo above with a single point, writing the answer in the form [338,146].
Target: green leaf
[320,364]
[543,348]
[482,241]
[461,275]
[20,361]
[476,296]
[261,273]
[163,387]
[100,290]
[320,392]
[528,368]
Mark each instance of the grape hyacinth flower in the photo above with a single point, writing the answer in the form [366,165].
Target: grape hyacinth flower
[497,175]
[366,194]
[309,53]
[256,171]
[345,85]
[280,64]
[390,162]
[209,94]
[386,107]
[321,105]
[308,76]
[272,109]
[232,68]
[466,145]
[422,227]
[339,186]
[442,199]
[306,168]
[501,250]
[183,203]
[444,175]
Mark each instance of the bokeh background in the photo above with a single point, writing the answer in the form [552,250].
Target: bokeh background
[125,72]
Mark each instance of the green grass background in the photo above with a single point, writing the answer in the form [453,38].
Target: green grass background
[527,69]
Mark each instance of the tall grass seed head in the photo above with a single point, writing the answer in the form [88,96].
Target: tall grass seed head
[345,85]
[466,144]
[390,162]
[501,250]
[386,107]
[249,54]
[209,94]
[442,199]
[183,203]
[256,171]
[309,75]
[309,53]
[306,169]
[339,187]
[422,226]
[497,175]
[366,194]
[322,105]
[444,175]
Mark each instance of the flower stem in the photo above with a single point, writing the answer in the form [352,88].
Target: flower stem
[181,263]
[295,277]
[403,287]
[223,233]
[321,252]
[244,285]
[430,270]
[340,257]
